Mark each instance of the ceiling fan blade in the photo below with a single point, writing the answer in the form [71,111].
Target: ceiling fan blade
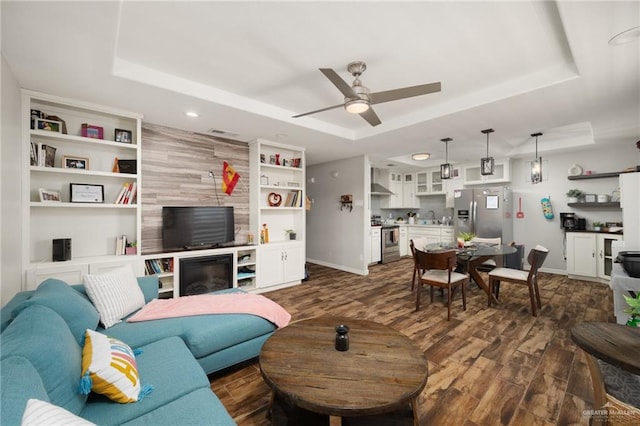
[406,92]
[371,117]
[318,110]
[337,81]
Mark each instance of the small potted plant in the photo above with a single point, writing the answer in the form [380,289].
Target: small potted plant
[291,233]
[633,310]
[573,195]
[597,226]
[464,238]
[131,248]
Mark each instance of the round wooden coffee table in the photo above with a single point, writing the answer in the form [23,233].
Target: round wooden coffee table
[382,371]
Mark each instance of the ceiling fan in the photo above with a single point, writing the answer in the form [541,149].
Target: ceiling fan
[358,100]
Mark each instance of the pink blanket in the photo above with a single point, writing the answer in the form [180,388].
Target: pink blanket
[203,304]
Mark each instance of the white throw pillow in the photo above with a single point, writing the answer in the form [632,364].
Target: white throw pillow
[115,294]
[41,413]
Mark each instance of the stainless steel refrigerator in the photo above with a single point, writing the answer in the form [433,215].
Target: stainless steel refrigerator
[485,212]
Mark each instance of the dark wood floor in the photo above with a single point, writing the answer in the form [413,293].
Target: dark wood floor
[487,366]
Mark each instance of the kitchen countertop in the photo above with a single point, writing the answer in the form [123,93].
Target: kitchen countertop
[591,231]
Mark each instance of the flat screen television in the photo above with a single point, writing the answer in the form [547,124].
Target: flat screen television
[197,227]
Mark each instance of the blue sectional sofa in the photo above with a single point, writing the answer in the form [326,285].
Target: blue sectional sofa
[41,354]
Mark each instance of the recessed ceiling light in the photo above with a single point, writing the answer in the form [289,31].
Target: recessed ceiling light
[191,114]
[627,36]
[420,156]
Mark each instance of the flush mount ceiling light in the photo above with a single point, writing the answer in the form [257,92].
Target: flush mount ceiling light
[420,156]
[192,114]
[536,165]
[487,163]
[627,36]
[445,169]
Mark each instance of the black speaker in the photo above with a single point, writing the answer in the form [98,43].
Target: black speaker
[61,249]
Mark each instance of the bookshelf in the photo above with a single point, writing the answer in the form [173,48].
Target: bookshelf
[86,162]
[277,199]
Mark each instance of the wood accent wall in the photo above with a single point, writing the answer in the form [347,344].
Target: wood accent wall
[175,172]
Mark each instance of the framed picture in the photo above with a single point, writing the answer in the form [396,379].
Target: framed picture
[590,198]
[86,193]
[69,162]
[49,195]
[124,136]
[48,125]
[89,131]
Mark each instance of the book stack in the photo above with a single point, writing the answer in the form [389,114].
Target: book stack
[121,244]
[127,194]
[293,199]
[42,155]
[158,266]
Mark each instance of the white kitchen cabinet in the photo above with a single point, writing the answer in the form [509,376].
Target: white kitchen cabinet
[403,241]
[280,264]
[422,183]
[604,254]
[501,174]
[409,199]
[589,255]
[394,183]
[451,186]
[434,234]
[429,182]
[581,254]
[375,255]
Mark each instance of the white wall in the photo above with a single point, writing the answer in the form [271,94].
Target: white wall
[534,228]
[339,238]
[10,188]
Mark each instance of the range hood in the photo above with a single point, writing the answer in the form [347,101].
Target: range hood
[377,189]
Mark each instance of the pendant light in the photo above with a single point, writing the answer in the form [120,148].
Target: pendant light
[445,169]
[487,163]
[536,165]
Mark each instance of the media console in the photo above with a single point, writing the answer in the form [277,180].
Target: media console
[235,265]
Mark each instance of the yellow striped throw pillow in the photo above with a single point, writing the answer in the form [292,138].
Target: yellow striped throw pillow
[109,368]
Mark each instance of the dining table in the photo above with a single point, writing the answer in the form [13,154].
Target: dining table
[470,257]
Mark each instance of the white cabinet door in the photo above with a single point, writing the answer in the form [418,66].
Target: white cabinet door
[409,199]
[280,264]
[604,254]
[376,245]
[422,186]
[270,261]
[581,254]
[293,263]
[71,273]
[102,267]
[403,242]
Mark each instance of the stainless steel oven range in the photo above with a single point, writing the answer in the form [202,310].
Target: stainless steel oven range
[390,243]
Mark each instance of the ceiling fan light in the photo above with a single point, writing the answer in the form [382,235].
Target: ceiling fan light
[356,106]
[420,156]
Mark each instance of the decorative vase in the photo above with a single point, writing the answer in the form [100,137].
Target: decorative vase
[572,200]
